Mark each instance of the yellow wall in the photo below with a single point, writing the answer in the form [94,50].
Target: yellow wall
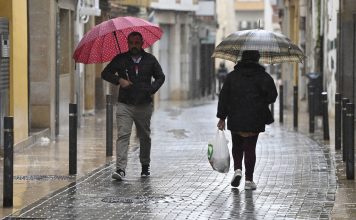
[16,12]
[139,3]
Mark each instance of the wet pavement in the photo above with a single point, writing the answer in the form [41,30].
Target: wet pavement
[298,175]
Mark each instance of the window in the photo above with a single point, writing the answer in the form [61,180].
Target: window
[243,25]
[249,25]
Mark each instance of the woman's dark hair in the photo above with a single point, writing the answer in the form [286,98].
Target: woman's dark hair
[250,55]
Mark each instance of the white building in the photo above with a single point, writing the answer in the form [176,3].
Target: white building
[331,9]
[225,10]
[321,26]
[178,51]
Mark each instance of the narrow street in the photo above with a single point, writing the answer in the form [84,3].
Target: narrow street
[55,53]
[294,175]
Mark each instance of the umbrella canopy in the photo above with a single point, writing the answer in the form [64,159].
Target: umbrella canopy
[273,47]
[109,38]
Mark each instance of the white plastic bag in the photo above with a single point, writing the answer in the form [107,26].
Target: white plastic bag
[218,153]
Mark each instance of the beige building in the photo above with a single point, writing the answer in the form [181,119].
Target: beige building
[55,79]
[183,49]
[226,17]
[250,14]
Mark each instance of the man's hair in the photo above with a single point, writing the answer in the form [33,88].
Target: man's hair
[135,33]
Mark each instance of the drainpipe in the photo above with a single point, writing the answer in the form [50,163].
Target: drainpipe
[83,11]
[78,34]
[80,20]
[339,87]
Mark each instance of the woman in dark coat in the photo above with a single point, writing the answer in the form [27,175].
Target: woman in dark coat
[244,99]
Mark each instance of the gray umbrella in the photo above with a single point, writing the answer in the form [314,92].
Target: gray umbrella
[273,47]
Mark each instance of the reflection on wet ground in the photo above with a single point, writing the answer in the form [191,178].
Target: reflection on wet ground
[43,167]
[179,133]
[295,178]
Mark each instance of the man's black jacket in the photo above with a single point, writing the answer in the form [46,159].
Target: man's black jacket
[245,96]
[142,89]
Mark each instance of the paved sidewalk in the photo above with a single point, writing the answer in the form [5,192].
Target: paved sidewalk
[43,168]
[295,175]
[345,200]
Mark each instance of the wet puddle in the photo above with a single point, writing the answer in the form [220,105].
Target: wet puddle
[179,133]
[144,199]
[44,178]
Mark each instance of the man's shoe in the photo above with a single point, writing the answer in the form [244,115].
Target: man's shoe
[145,171]
[250,185]
[235,182]
[118,175]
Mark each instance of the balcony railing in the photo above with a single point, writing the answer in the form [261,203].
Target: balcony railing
[175,5]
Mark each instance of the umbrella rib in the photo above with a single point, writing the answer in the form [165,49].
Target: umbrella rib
[87,57]
[117,42]
[151,32]
[235,46]
[132,30]
[98,46]
[128,20]
[102,51]
[143,27]
[131,25]
[123,33]
[91,49]
[90,52]
[140,26]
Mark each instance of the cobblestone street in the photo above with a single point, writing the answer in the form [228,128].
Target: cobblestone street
[295,178]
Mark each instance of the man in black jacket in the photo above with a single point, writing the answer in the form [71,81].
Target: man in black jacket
[222,73]
[244,99]
[133,71]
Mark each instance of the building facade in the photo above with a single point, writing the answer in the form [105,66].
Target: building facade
[227,24]
[43,77]
[14,66]
[325,30]
[180,50]
[55,79]
[346,44]
[250,14]
[39,78]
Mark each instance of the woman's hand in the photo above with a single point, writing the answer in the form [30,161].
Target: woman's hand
[124,83]
[221,124]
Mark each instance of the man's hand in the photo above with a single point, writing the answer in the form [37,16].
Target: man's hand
[221,124]
[124,83]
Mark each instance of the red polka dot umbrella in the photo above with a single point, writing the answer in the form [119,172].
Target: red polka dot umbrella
[109,38]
